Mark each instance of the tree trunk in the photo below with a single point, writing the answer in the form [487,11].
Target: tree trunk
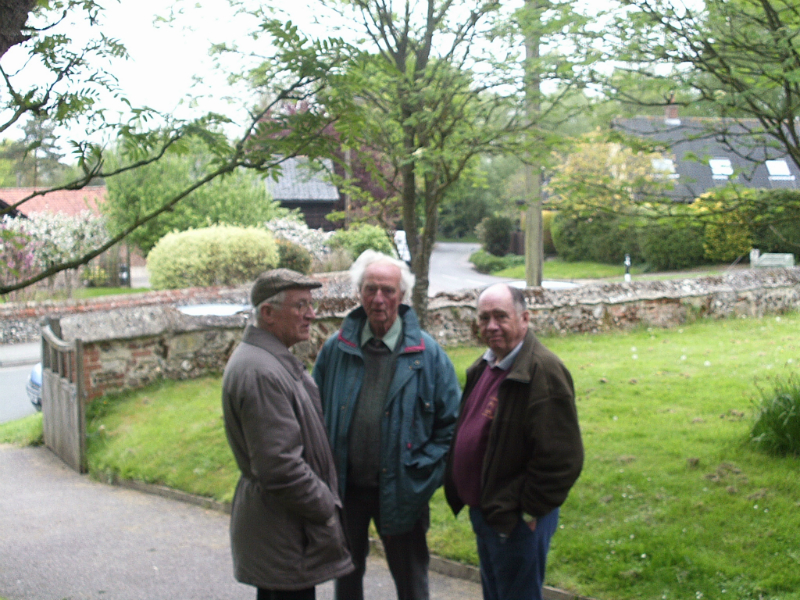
[13,15]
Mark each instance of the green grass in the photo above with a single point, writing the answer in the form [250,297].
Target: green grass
[80,293]
[22,432]
[674,501]
[561,270]
[95,292]
[170,433]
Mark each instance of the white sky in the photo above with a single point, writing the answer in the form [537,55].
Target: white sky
[166,58]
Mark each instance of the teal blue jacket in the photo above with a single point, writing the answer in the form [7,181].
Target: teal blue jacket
[419,417]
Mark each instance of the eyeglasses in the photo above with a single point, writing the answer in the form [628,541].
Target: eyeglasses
[302,306]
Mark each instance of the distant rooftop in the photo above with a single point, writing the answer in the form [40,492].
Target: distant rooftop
[70,202]
[299,183]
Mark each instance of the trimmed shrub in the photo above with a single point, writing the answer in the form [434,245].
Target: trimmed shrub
[336,260]
[362,237]
[494,234]
[294,257]
[727,223]
[489,263]
[218,255]
[603,238]
[775,222]
[777,418]
[672,245]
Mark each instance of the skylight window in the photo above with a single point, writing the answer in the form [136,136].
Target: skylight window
[664,168]
[721,168]
[779,171]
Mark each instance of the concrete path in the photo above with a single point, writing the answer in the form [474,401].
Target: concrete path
[64,536]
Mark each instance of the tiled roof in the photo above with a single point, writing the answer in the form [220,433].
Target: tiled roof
[298,183]
[70,202]
[694,141]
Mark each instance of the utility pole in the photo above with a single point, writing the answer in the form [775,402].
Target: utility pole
[534,232]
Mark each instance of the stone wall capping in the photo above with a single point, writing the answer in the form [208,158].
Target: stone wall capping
[132,340]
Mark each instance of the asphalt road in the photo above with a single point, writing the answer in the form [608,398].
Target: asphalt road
[16,362]
[64,536]
[451,271]
[14,403]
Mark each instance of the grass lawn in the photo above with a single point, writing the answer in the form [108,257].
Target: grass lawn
[79,293]
[95,292]
[673,502]
[558,269]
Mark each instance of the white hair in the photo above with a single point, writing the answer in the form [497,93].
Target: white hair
[276,300]
[370,257]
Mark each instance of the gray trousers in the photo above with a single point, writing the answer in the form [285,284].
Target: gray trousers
[407,554]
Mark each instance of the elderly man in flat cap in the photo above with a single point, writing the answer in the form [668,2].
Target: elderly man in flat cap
[286,529]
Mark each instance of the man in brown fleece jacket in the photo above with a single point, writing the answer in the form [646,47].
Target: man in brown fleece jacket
[518,428]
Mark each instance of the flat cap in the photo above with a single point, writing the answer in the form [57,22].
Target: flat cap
[271,282]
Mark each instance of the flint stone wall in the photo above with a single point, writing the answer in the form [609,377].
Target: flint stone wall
[129,347]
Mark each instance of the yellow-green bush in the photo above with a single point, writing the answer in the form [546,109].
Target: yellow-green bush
[727,229]
[293,256]
[217,255]
[361,237]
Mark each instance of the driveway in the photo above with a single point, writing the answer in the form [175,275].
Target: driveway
[67,537]
[16,361]
[451,271]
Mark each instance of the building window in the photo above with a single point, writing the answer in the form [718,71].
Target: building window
[721,168]
[779,171]
[664,168]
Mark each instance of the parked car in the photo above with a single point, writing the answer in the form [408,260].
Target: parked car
[34,386]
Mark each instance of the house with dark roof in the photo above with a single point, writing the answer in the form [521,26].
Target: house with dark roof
[301,186]
[704,153]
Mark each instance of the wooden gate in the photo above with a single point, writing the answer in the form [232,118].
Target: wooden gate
[63,412]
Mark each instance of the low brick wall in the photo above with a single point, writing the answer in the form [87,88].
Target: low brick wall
[135,342]
[173,347]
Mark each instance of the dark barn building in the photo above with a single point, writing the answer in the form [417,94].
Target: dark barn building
[301,187]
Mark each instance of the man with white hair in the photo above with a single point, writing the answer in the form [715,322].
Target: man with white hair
[390,398]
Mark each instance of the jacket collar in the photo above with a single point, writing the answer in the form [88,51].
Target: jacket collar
[255,336]
[523,365]
[412,341]
[521,369]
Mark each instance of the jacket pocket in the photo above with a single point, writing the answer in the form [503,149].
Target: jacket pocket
[421,424]
[325,542]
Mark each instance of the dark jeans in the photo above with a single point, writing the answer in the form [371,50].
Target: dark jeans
[512,568]
[306,594]
[407,554]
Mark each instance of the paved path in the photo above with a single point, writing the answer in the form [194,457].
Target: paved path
[451,271]
[64,536]
[15,355]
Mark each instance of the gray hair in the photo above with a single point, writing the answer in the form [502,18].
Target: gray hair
[370,257]
[276,300]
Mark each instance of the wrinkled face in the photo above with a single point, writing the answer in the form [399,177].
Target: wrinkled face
[291,321]
[500,326]
[380,296]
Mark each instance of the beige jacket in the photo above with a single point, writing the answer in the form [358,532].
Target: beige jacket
[286,529]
